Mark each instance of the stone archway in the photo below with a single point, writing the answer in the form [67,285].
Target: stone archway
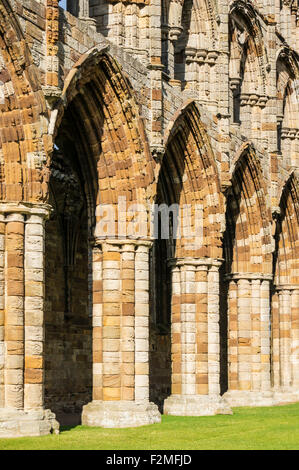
[114,161]
[189,179]
[68,303]
[24,175]
[285,298]
[247,280]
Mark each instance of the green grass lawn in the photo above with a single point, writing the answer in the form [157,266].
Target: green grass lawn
[248,428]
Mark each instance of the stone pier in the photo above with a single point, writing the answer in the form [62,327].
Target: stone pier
[286,344]
[249,338]
[22,365]
[120,336]
[195,339]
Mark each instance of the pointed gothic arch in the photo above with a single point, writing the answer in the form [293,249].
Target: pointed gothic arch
[189,175]
[192,43]
[248,61]
[247,241]
[285,294]
[99,102]
[23,117]
[100,154]
[287,79]
[246,280]
[189,181]
[287,234]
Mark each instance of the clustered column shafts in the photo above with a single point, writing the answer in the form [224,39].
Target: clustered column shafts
[155,100]
[2,310]
[111,322]
[120,336]
[244,333]
[83,9]
[295,337]
[14,311]
[142,322]
[78,8]
[249,337]
[22,240]
[156,67]
[97,322]
[34,310]
[195,339]
[265,327]
[213,330]
[83,13]
[52,36]
[285,336]
[286,339]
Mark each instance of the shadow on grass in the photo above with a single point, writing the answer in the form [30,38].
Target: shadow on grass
[74,427]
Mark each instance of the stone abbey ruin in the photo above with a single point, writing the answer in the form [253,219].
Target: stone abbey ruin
[119,105]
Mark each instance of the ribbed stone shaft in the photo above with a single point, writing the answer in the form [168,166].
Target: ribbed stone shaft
[195,339]
[120,336]
[22,328]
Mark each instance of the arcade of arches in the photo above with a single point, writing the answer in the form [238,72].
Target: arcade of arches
[113,330]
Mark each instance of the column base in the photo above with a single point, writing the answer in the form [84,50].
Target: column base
[249,398]
[120,414]
[20,423]
[90,22]
[198,405]
[286,395]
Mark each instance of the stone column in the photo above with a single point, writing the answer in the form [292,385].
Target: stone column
[255,320]
[2,311]
[22,243]
[232,333]
[14,311]
[249,333]
[213,330]
[265,289]
[275,343]
[120,336]
[195,339]
[80,8]
[287,383]
[285,337]
[34,277]
[83,8]
[156,68]
[244,334]
[295,337]
[97,322]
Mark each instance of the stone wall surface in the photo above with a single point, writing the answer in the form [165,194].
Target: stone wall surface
[172,102]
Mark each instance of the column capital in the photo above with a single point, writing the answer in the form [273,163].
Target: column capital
[26,208]
[286,287]
[207,262]
[96,242]
[249,277]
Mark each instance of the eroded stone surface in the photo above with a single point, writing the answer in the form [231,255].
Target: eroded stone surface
[120,414]
[179,405]
[191,104]
[17,423]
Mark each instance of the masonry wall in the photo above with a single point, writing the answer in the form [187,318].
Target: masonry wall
[68,339]
[125,99]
